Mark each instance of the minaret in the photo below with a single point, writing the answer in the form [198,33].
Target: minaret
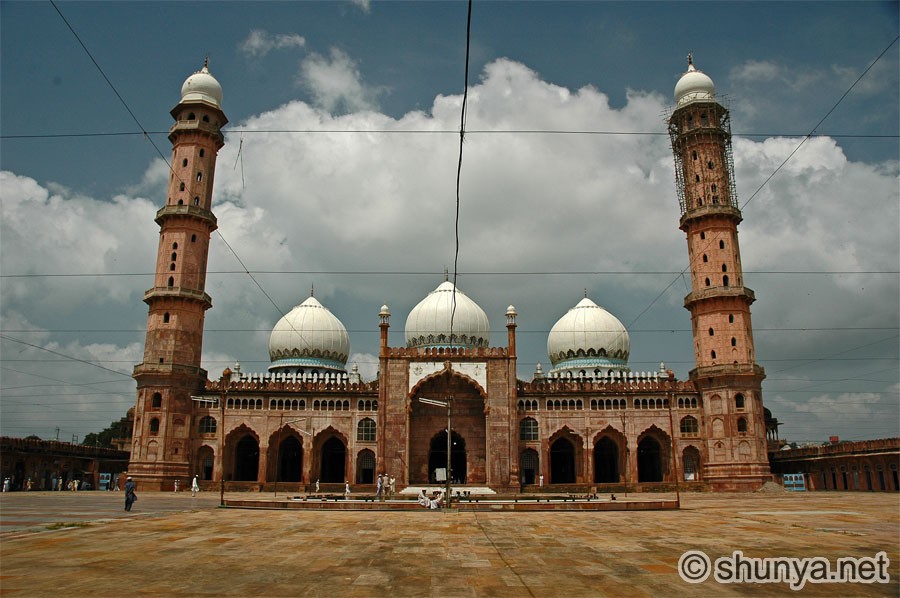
[726,372]
[170,372]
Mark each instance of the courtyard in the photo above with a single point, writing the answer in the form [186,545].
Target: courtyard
[84,543]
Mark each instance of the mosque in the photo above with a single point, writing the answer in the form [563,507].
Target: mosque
[587,422]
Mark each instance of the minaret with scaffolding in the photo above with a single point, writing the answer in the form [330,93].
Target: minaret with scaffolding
[726,372]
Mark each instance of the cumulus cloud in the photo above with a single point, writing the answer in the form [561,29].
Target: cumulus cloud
[260,42]
[311,207]
[335,83]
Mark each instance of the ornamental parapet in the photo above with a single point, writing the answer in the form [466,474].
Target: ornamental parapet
[553,386]
[717,293]
[171,211]
[444,352]
[270,385]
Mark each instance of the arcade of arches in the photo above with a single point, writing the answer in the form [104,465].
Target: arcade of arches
[567,460]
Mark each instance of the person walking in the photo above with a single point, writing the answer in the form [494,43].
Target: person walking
[130,496]
[195,487]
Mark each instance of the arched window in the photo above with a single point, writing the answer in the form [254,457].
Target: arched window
[689,426]
[365,430]
[156,401]
[528,429]
[742,426]
[207,425]
[154,426]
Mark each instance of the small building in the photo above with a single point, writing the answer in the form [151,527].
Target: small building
[866,465]
[43,461]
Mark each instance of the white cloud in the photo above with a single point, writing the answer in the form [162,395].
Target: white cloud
[335,83]
[260,42]
[310,205]
[363,5]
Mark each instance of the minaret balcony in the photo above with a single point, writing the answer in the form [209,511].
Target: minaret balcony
[710,209]
[187,210]
[178,293]
[190,126]
[718,293]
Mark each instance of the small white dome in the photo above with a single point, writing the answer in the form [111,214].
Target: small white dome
[309,336]
[588,337]
[202,87]
[428,324]
[694,85]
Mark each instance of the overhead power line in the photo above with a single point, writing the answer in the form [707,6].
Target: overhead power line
[441,132]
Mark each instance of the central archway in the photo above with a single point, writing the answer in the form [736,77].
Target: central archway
[428,424]
[437,457]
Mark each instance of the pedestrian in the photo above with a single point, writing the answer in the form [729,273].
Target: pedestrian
[379,488]
[176,485]
[347,489]
[195,486]
[130,496]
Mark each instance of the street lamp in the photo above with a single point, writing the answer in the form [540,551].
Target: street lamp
[446,404]
[278,446]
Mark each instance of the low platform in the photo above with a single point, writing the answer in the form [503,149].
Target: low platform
[493,503]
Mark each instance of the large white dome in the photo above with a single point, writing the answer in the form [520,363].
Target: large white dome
[588,338]
[309,336]
[202,87]
[428,324]
[694,85]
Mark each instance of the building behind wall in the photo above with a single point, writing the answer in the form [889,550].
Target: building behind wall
[588,422]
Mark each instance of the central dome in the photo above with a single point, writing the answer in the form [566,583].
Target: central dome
[588,338]
[428,324]
[310,337]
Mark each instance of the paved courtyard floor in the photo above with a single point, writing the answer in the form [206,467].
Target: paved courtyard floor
[85,544]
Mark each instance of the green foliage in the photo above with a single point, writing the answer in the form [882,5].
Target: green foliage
[117,429]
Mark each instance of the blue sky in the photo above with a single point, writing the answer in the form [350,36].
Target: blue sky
[531,204]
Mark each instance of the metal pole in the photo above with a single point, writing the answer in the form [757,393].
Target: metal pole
[449,399]
[222,398]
